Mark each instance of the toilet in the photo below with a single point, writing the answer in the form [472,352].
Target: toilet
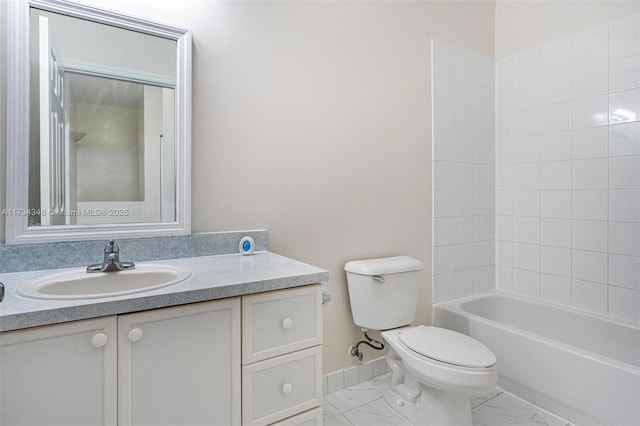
[434,371]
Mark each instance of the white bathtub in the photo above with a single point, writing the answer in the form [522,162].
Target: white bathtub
[582,367]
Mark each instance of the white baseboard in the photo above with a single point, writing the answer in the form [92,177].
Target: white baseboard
[353,375]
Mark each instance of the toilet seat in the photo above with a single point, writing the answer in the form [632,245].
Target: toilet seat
[447,346]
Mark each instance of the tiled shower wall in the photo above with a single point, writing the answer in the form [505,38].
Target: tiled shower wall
[568,171]
[463,165]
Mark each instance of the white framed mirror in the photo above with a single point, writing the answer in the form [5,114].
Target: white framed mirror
[98,124]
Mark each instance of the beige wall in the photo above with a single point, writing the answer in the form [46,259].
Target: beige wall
[313,120]
[521,25]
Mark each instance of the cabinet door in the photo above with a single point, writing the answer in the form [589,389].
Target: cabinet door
[180,366]
[60,374]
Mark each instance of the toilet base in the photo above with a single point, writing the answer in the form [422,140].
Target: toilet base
[434,407]
[423,405]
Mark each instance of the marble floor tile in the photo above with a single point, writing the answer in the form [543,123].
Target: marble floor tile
[507,410]
[479,400]
[328,410]
[338,420]
[363,405]
[360,394]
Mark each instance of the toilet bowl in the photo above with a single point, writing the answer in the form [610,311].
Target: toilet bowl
[435,371]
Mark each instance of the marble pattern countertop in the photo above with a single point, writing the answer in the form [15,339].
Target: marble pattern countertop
[213,277]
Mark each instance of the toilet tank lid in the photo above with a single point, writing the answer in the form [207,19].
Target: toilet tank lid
[383,266]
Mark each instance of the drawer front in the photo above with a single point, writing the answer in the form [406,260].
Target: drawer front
[308,418]
[280,322]
[281,387]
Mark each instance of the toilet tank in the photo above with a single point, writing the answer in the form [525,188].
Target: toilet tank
[383,292]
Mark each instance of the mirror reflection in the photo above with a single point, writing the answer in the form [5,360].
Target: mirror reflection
[102,123]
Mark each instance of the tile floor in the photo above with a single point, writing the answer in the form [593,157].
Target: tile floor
[363,405]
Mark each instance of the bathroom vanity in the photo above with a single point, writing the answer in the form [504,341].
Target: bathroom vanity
[239,342]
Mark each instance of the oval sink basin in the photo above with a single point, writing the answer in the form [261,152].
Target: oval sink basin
[78,284]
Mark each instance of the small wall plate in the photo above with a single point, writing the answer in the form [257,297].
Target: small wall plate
[246,246]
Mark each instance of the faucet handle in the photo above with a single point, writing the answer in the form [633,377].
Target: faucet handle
[112,247]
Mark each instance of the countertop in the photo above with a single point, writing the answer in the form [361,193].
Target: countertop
[212,277]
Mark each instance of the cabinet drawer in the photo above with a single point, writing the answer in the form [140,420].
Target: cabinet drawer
[279,322]
[308,418]
[281,387]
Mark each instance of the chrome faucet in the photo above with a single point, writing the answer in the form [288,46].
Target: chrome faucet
[111,261]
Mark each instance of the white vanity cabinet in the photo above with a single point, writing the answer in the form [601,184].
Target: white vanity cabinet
[252,360]
[59,375]
[282,357]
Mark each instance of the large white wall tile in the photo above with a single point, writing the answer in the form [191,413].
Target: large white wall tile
[590,50]
[555,203]
[444,231]
[444,259]
[444,286]
[589,235]
[555,146]
[590,81]
[444,90]
[624,205]
[624,172]
[624,38]
[589,204]
[504,228]
[444,146]
[589,296]
[526,203]
[483,151]
[624,139]
[464,283]
[555,232]
[555,88]
[589,174]
[555,261]
[526,149]
[525,122]
[589,143]
[624,271]
[464,229]
[483,279]
[526,256]
[526,229]
[483,228]
[555,289]
[589,112]
[624,304]
[526,283]
[504,253]
[526,96]
[624,106]
[624,73]
[526,176]
[444,118]
[589,266]
[624,238]
[555,117]
[555,175]
[504,278]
